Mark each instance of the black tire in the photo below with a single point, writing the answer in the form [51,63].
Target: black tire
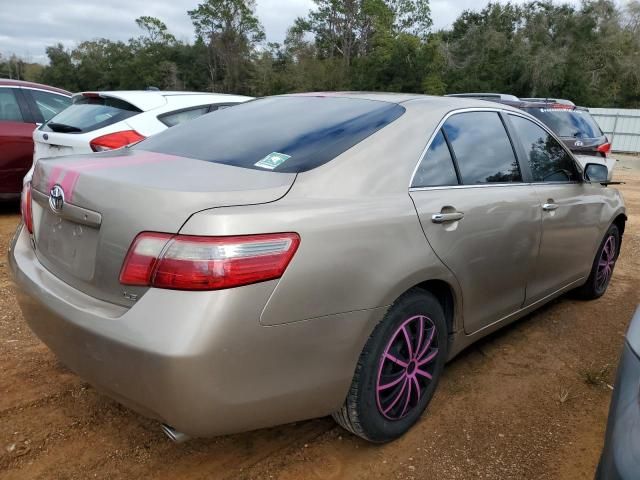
[360,413]
[594,286]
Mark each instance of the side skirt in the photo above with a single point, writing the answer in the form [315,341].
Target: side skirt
[462,340]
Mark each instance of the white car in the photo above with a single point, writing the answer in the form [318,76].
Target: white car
[98,121]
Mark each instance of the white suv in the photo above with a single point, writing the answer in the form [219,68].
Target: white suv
[98,121]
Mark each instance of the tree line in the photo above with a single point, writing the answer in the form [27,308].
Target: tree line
[590,53]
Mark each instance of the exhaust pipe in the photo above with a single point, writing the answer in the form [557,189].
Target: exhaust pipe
[174,435]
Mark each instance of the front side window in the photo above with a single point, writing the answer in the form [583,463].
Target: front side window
[482,148]
[548,161]
[436,168]
[49,104]
[9,109]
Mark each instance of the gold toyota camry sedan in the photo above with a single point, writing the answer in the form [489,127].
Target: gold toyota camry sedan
[304,255]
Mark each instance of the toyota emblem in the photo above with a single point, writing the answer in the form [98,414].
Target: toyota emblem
[56,198]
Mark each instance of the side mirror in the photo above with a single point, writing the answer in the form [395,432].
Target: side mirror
[596,172]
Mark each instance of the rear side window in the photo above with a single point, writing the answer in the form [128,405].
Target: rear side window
[482,148]
[549,162]
[49,104]
[172,119]
[9,109]
[436,168]
[283,134]
[90,113]
[567,123]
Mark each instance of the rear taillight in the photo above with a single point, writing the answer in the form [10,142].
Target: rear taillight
[605,149]
[115,140]
[184,262]
[25,207]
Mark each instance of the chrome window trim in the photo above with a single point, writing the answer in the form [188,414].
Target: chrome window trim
[37,89]
[46,91]
[479,185]
[496,110]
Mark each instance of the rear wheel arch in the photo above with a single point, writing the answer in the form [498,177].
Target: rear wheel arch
[620,221]
[446,297]
[359,412]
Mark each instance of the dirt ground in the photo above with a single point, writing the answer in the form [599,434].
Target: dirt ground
[529,402]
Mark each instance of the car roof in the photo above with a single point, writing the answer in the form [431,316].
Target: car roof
[390,97]
[150,99]
[486,96]
[560,101]
[437,102]
[38,86]
[522,102]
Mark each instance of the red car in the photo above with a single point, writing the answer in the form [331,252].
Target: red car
[23,106]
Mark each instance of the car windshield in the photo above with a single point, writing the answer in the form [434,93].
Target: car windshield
[284,134]
[568,123]
[90,113]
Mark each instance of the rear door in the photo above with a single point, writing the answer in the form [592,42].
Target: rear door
[479,216]
[571,210]
[16,146]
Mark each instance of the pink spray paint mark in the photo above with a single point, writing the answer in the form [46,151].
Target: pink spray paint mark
[55,173]
[67,177]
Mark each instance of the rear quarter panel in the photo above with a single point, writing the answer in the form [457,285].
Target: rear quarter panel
[612,207]
[353,255]
[362,245]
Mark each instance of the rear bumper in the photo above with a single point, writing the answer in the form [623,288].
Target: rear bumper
[199,361]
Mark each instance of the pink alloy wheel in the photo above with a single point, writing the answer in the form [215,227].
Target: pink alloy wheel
[606,262]
[406,367]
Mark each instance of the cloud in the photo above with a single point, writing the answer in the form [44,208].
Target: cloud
[28,27]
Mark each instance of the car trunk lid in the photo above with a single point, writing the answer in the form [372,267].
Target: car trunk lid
[111,197]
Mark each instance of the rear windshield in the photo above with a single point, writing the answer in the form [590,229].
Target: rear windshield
[568,123]
[284,134]
[90,113]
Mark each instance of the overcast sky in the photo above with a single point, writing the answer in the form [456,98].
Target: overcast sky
[28,26]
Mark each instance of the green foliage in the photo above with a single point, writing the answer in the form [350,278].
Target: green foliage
[544,49]
[17,69]
[156,31]
[411,16]
[589,54]
[61,71]
[231,32]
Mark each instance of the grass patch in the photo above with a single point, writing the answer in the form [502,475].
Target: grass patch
[596,376]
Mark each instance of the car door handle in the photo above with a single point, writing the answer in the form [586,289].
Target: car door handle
[446,217]
[549,207]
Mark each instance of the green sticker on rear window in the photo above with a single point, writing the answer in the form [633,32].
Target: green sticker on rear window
[273,160]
